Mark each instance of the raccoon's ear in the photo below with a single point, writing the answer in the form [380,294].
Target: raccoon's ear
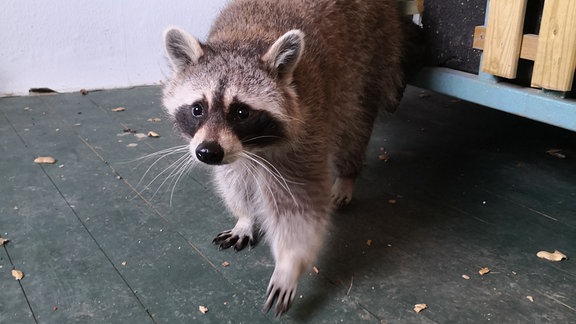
[182,48]
[282,57]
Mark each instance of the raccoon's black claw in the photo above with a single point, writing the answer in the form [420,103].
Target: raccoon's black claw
[282,298]
[340,202]
[227,240]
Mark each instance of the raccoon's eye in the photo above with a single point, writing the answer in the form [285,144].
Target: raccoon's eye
[240,111]
[197,110]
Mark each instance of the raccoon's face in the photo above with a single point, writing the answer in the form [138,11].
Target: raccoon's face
[228,102]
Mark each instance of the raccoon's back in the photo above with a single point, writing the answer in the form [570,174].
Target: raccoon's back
[346,41]
[331,26]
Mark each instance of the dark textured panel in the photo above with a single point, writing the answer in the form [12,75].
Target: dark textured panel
[449,28]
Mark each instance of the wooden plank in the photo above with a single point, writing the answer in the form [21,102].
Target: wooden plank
[556,56]
[527,51]
[503,37]
[410,7]
[529,47]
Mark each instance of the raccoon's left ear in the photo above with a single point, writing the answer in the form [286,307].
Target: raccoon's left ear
[282,57]
[182,48]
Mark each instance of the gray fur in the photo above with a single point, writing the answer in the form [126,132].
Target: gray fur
[322,69]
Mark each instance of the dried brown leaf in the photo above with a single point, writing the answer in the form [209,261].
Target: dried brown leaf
[45,160]
[484,271]
[556,153]
[17,274]
[118,109]
[3,241]
[203,309]
[153,134]
[420,307]
[556,256]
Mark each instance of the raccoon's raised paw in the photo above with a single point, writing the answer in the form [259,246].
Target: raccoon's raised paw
[280,292]
[342,190]
[228,239]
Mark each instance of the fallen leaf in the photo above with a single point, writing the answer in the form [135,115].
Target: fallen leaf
[225,264]
[203,309]
[17,274]
[153,134]
[420,307]
[467,277]
[118,109]
[483,271]
[530,298]
[369,242]
[556,153]
[45,160]
[3,241]
[556,256]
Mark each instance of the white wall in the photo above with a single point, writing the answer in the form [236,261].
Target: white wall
[70,45]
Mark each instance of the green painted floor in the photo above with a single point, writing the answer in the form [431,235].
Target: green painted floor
[472,187]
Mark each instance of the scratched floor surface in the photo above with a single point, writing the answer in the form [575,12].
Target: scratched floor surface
[103,237]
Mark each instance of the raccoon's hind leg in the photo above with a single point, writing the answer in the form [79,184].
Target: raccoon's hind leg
[349,155]
[382,92]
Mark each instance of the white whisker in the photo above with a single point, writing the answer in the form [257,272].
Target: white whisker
[173,167]
[273,171]
[251,168]
[173,172]
[184,168]
[248,140]
[161,155]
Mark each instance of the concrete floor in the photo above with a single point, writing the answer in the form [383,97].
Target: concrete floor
[465,187]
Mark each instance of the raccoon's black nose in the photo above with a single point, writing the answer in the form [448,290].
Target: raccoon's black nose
[210,152]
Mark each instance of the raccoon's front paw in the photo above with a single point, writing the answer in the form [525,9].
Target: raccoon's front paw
[239,237]
[281,291]
[342,190]
[229,238]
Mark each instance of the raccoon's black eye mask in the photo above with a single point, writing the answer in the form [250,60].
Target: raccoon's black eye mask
[239,111]
[255,127]
[189,118]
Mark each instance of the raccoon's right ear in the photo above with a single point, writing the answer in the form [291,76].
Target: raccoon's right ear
[183,49]
[282,57]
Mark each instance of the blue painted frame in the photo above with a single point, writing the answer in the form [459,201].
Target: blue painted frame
[487,91]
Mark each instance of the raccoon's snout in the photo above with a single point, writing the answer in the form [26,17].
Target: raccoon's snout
[210,153]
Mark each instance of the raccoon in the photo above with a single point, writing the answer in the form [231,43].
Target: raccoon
[280,101]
